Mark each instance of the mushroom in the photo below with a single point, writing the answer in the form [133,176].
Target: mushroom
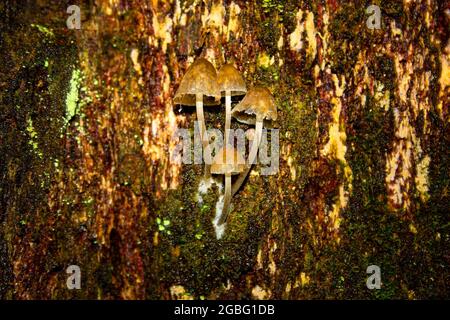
[228,161]
[231,83]
[259,102]
[198,87]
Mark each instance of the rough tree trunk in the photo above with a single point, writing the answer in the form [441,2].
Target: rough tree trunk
[86,120]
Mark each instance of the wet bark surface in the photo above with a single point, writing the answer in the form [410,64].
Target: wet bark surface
[86,126]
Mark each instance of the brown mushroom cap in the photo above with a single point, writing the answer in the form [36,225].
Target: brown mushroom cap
[234,163]
[189,100]
[259,102]
[229,79]
[200,78]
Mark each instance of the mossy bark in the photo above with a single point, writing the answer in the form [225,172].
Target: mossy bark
[87,119]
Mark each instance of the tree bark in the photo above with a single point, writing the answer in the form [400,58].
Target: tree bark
[86,125]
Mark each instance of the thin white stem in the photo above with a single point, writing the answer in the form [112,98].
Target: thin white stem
[203,134]
[226,201]
[256,142]
[251,157]
[227,116]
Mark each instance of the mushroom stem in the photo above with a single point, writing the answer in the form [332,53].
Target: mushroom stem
[251,157]
[227,115]
[226,201]
[203,134]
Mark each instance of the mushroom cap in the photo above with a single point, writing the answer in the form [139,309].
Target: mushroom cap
[228,161]
[229,79]
[259,102]
[189,100]
[200,78]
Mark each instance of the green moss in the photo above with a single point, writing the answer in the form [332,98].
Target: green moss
[44,30]
[198,236]
[383,70]
[33,142]
[73,95]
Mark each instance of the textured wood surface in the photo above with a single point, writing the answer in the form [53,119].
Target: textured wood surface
[86,123]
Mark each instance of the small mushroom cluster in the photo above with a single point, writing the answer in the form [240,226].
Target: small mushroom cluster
[202,85]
